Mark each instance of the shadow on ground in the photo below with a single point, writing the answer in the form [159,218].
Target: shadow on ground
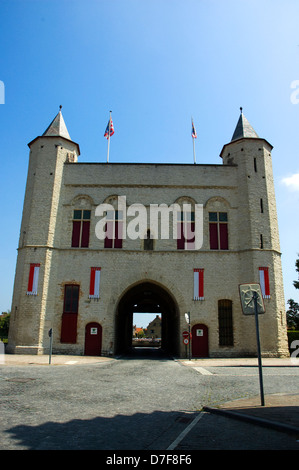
[140,431]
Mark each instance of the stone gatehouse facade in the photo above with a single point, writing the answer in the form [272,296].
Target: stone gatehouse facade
[86,289]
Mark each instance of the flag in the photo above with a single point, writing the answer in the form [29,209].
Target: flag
[198,284]
[94,286]
[264,282]
[33,279]
[193,132]
[109,127]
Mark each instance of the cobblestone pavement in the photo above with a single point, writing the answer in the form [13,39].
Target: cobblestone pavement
[138,403]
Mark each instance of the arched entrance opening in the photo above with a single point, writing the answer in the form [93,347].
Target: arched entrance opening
[147,297]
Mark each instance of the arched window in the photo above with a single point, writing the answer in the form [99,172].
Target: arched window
[218,218]
[81,215]
[225,322]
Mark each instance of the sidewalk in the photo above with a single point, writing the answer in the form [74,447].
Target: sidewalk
[43,359]
[280,412]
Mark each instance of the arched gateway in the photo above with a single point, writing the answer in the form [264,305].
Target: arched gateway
[147,297]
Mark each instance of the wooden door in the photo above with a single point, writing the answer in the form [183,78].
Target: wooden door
[93,339]
[200,341]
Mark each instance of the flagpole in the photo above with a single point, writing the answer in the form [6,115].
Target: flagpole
[193,138]
[109,137]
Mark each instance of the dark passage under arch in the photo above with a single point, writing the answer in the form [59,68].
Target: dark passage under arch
[147,297]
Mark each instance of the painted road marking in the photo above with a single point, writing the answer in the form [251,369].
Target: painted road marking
[185,432]
[202,371]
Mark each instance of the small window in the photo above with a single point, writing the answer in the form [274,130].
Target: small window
[114,229]
[185,230]
[148,241]
[70,314]
[218,228]
[81,228]
[225,323]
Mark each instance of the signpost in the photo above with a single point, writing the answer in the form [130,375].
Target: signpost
[187,317]
[252,304]
[50,333]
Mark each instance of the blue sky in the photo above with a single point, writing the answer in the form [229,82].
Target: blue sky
[154,64]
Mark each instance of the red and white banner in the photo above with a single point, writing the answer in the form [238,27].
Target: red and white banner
[33,279]
[94,288]
[198,284]
[264,282]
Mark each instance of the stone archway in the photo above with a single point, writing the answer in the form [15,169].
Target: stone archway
[147,297]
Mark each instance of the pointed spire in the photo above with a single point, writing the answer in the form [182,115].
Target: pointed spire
[243,128]
[57,127]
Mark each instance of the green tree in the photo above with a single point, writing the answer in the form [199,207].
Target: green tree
[4,325]
[293,314]
[296,283]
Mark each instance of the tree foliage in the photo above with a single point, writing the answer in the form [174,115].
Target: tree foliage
[293,314]
[296,283]
[4,325]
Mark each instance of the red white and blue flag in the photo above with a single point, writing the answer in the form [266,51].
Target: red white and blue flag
[109,129]
[193,132]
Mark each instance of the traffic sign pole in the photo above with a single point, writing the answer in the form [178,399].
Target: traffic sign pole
[50,333]
[258,349]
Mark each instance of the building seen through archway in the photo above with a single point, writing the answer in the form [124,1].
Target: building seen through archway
[147,297]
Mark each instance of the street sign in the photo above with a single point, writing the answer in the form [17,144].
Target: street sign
[186,341]
[247,298]
[185,334]
[252,304]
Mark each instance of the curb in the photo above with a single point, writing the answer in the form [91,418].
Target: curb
[277,426]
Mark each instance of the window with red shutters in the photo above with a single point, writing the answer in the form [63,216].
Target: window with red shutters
[114,230]
[70,314]
[185,230]
[81,227]
[218,230]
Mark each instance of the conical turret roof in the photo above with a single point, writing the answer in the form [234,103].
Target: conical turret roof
[244,129]
[57,127]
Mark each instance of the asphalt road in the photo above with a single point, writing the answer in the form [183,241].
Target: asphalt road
[134,403]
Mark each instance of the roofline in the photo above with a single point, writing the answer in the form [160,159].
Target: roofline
[154,164]
[55,137]
[244,138]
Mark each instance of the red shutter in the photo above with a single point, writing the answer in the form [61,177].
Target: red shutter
[85,234]
[118,242]
[191,235]
[76,233]
[109,235]
[223,236]
[69,328]
[213,237]
[180,236]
